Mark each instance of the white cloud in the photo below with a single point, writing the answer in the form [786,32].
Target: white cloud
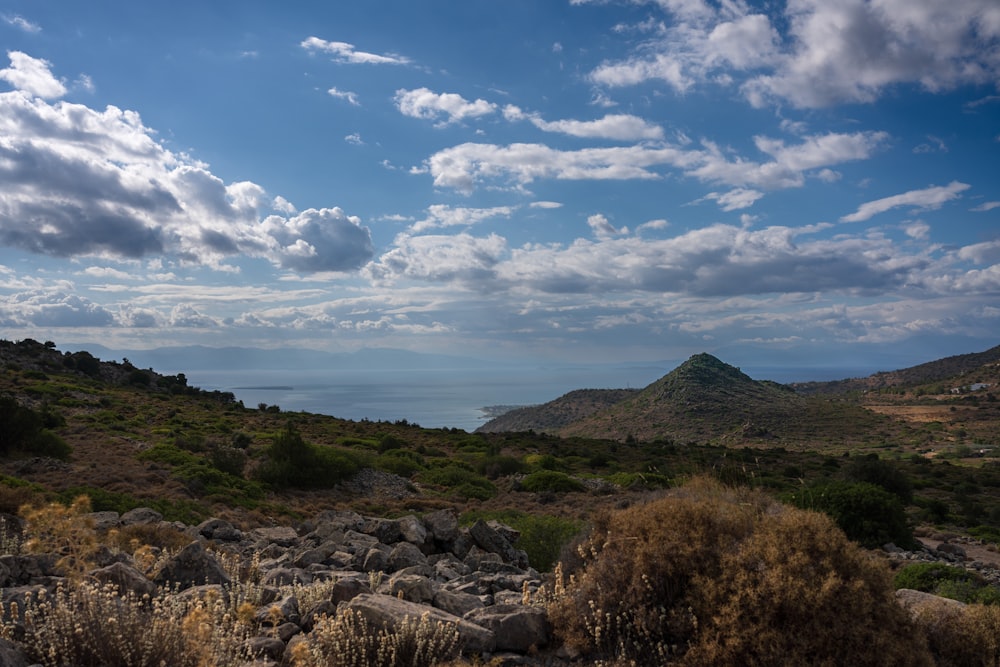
[343,52]
[545,204]
[32,75]
[620,127]
[986,206]
[354,139]
[926,199]
[425,104]
[735,199]
[98,184]
[22,23]
[460,257]
[346,95]
[602,227]
[829,51]
[464,166]
[917,229]
[442,215]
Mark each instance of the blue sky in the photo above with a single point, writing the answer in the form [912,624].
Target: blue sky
[573,180]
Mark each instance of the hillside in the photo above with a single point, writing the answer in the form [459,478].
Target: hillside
[552,416]
[926,373]
[703,399]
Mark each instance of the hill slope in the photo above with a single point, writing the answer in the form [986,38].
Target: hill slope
[932,371]
[702,399]
[554,415]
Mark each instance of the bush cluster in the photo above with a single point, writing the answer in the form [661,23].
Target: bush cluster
[293,462]
[710,575]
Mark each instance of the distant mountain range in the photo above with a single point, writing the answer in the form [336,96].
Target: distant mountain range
[199,357]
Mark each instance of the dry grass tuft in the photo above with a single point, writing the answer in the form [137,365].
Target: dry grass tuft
[85,624]
[347,640]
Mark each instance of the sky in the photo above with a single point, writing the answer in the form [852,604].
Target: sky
[567,180]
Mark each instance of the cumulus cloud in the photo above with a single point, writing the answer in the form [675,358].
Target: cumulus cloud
[442,215]
[32,75]
[342,52]
[620,127]
[827,52]
[602,227]
[735,199]
[52,309]
[436,258]
[448,107]
[720,260]
[465,166]
[926,199]
[97,183]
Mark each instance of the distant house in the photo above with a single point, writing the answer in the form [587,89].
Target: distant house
[977,386]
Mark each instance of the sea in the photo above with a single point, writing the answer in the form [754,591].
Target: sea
[445,398]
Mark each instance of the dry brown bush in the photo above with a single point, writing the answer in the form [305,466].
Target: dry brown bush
[711,575]
[965,638]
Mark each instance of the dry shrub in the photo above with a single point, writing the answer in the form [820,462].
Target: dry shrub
[969,637]
[85,624]
[64,531]
[711,575]
[347,640]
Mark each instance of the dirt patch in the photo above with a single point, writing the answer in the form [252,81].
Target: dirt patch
[920,413]
[973,550]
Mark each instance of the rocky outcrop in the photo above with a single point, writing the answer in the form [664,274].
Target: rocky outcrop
[386,570]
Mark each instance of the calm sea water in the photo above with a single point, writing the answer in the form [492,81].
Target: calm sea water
[438,398]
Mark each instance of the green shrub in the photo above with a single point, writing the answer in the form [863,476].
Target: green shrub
[947,581]
[711,575]
[543,536]
[25,430]
[868,514]
[459,481]
[639,480]
[882,473]
[550,480]
[499,466]
[292,462]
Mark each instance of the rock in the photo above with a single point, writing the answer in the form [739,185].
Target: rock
[140,516]
[412,530]
[319,610]
[386,611]
[11,655]
[285,576]
[103,520]
[286,631]
[192,566]
[265,647]
[220,530]
[386,531]
[285,610]
[919,603]
[283,536]
[457,603]
[443,525]
[126,578]
[412,587]
[489,539]
[404,555]
[346,589]
[951,549]
[375,560]
[516,627]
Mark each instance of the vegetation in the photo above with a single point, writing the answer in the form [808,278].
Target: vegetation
[711,575]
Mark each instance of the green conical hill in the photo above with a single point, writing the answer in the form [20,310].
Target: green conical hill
[703,399]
